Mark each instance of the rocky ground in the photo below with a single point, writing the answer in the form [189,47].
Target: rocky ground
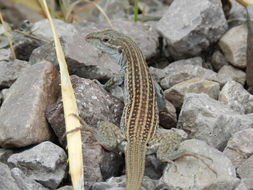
[196,50]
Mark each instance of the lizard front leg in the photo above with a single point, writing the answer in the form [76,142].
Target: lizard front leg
[109,135]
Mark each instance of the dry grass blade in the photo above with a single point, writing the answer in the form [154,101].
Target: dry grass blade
[85,7]
[8,36]
[245,3]
[74,142]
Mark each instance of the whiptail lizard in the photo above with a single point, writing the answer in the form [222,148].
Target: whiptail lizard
[140,115]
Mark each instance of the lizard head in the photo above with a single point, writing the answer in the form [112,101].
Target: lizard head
[107,41]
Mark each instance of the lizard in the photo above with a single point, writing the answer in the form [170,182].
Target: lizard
[143,99]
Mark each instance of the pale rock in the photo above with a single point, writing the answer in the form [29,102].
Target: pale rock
[212,121]
[236,97]
[233,44]
[228,73]
[240,147]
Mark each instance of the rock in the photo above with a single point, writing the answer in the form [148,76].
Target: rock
[5,55]
[119,183]
[236,97]
[176,93]
[144,35]
[228,73]
[246,169]
[25,182]
[41,29]
[5,154]
[156,73]
[241,186]
[240,147]
[233,48]
[24,46]
[45,163]
[94,104]
[168,118]
[193,172]
[237,14]
[248,182]
[179,73]
[153,167]
[10,71]
[67,187]
[6,180]
[212,121]
[1,98]
[22,119]
[93,64]
[191,26]
[98,162]
[218,60]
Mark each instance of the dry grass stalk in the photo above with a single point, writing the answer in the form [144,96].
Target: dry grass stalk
[74,142]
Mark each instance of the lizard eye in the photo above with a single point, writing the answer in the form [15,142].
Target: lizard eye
[105,39]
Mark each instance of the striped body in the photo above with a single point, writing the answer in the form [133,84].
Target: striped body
[140,116]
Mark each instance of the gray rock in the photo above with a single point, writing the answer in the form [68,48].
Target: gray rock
[67,187]
[237,14]
[157,74]
[154,167]
[191,26]
[46,163]
[210,120]
[94,103]
[218,60]
[233,48]
[5,154]
[240,147]
[99,164]
[25,182]
[176,93]
[22,119]
[179,73]
[1,98]
[236,97]
[241,186]
[228,73]
[41,29]
[119,183]
[144,35]
[248,182]
[168,117]
[6,180]
[5,54]
[192,172]
[10,71]
[23,46]
[93,64]
[246,169]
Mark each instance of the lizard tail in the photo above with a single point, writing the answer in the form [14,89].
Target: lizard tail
[135,164]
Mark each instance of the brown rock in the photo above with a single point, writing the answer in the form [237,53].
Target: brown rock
[22,120]
[168,118]
[196,85]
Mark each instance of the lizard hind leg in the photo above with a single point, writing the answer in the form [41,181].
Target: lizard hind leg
[108,135]
[167,149]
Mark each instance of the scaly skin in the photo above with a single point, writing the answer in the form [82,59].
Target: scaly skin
[140,116]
